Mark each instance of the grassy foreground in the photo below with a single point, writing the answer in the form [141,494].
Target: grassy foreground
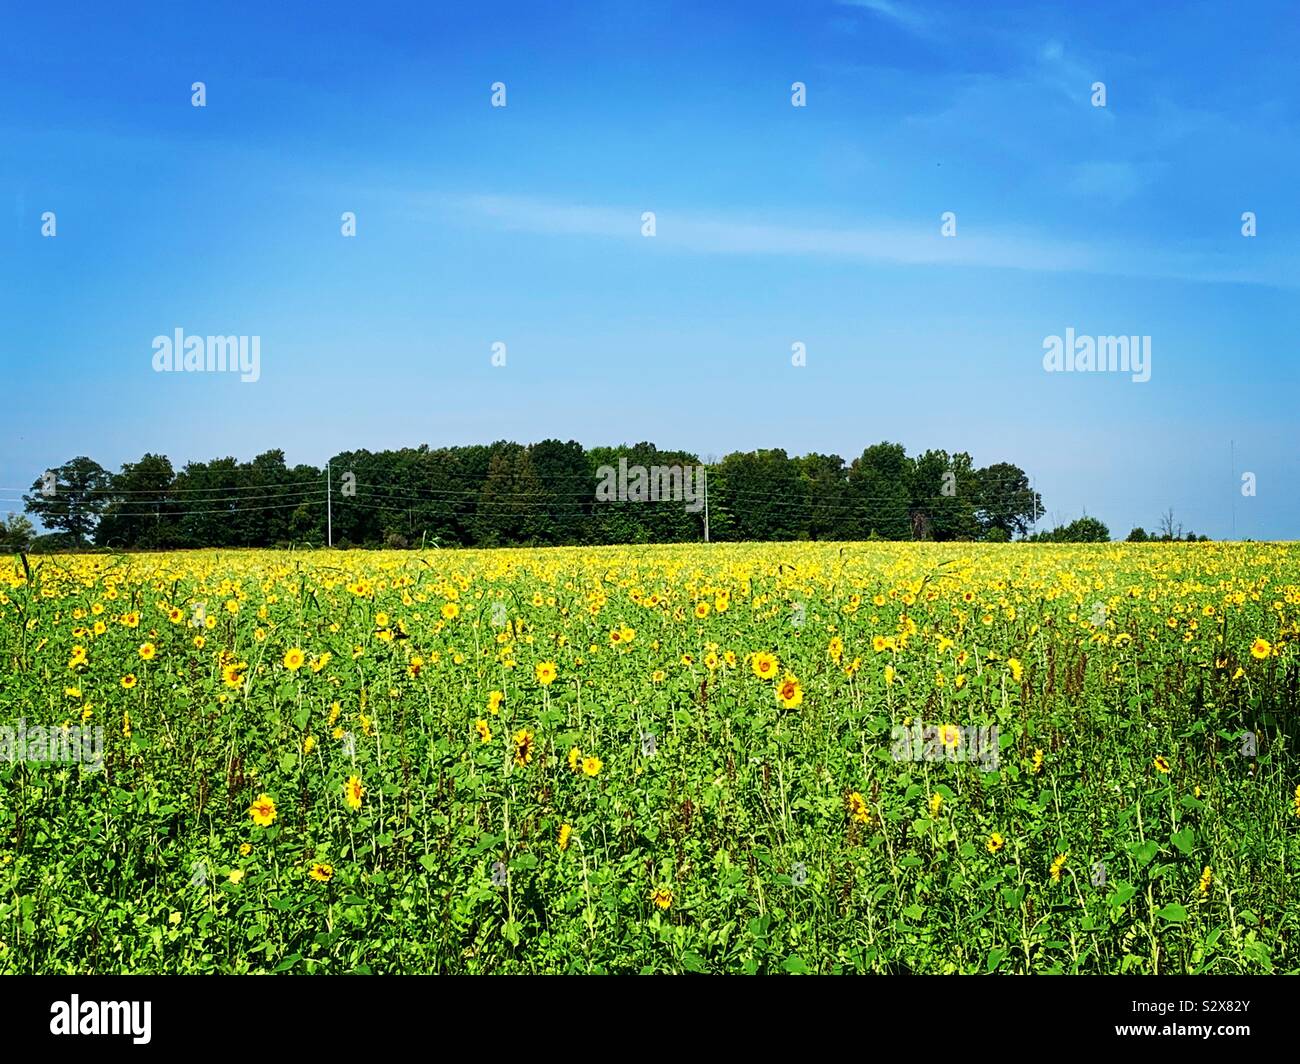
[727,758]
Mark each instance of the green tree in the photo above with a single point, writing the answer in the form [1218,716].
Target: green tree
[758,495]
[1080,530]
[72,498]
[944,491]
[826,483]
[1006,500]
[664,521]
[880,490]
[141,510]
[511,508]
[209,495]
[545,493]
[565,477]
[17,533]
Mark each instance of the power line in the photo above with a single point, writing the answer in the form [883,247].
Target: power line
[149,505]
[176,490]
[516,501]
[171,495]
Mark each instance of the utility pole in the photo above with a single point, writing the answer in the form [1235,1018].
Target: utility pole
[329,504]
[706,504]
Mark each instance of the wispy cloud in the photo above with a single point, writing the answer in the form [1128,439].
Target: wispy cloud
[906,17]
[900,245]
[1061,72]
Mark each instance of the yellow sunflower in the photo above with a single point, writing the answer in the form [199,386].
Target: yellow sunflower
[352,792]
[523,746]
[764,665]
[789,694]
[263,811]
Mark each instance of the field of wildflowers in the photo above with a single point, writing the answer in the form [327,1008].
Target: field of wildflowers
[728,758]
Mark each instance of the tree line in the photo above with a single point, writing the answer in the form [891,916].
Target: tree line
[511,494]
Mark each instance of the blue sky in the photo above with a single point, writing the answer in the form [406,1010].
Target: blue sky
[775,225]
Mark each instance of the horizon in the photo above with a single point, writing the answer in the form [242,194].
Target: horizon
[778,230]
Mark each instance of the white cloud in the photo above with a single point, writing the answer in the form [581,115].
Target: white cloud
[915,245]
[1068,76]
[906,17]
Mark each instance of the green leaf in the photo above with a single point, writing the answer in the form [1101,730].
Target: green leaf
[1173,913]
[1145,851]
[1124,893]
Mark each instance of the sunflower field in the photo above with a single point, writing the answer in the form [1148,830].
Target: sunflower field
[722,758]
